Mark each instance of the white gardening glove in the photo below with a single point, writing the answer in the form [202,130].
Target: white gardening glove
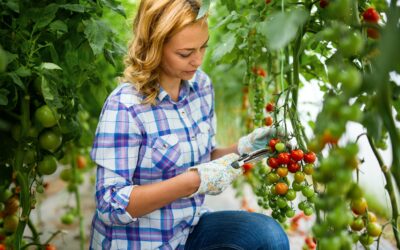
[258,139]
[217,175]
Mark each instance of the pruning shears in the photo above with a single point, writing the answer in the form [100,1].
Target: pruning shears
[251,157]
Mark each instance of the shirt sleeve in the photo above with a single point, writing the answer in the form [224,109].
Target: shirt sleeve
[115,151]
[213,118]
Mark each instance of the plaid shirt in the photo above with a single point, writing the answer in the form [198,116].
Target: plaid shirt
[137,144]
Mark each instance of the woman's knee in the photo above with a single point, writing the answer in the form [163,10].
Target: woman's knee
[268,232]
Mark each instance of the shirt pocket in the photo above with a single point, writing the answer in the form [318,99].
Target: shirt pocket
[166,153]
[204,140]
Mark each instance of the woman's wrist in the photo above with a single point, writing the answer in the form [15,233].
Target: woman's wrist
[192,178]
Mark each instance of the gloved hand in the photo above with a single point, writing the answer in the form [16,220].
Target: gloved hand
[217,175]
[257,139]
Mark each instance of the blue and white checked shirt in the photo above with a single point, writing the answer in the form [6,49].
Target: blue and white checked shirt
[137,144]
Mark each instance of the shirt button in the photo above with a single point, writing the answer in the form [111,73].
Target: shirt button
[193,137]
[183,112]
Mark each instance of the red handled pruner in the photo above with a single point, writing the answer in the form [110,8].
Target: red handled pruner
[251,157]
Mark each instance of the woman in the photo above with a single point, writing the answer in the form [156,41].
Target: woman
[154,143]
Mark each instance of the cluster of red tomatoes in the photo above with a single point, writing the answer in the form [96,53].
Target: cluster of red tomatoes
[371,16]
[283,178]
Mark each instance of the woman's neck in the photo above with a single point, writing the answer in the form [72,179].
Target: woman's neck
[171,86]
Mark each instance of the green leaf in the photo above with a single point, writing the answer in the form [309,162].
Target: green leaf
[3,97]
[10,56]
[50,66]
[73,7]
[205,5]
[50,92]
[17,80]
[115,6]
[3,60]
[224,47]
[96,33]
[43,17]
[13,5]
[23,71]
[58,25]
[281,28]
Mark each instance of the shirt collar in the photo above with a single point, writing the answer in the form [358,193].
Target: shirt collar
[186,85]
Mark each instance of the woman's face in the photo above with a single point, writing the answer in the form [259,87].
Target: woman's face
[184,52]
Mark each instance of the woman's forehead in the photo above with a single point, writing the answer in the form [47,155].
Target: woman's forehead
[190,37]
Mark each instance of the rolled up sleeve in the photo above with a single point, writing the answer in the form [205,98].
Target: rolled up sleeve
[116,153]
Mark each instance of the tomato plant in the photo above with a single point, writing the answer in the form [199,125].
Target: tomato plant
[55,64]
[327,43]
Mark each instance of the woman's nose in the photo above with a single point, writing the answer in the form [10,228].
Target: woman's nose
[197,59]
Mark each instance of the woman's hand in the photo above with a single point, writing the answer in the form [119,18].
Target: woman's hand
[217,175]
[257,139]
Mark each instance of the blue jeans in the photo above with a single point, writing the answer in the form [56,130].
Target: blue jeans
[237,230]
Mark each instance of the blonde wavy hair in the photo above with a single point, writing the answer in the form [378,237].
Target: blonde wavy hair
[155,22]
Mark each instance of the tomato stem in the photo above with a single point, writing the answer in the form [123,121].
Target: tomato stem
[390,189]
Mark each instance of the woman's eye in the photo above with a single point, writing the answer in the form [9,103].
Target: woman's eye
[185,55]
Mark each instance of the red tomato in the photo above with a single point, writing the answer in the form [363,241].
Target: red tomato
[281,188]
[323,3]
[81,161]
[268,121]
[310,243]
[373,33]
[293,167]
[247,168]
[269,107]
[272,143]
[297,154]
[267,1]
[273,162]
[2,247]
[310,157]
[283,158]
[261,72]
[327,137]
[371,15]
[50,247]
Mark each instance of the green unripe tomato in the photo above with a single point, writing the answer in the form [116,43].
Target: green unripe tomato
[67,219]
[374,229]
[308,211]
[357,224]
[45,116]
[299,177]
[272,178]
[50,140]
[290,195]
[10,223]
[30,156]
[48,165]
[290,212]
[297,186]
[66,174]
[281,202]
[352,44]
[366,240]
[333,74]
[351,80]
[5,195]
[280,147]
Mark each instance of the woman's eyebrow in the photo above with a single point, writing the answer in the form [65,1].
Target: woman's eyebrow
[194,48]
